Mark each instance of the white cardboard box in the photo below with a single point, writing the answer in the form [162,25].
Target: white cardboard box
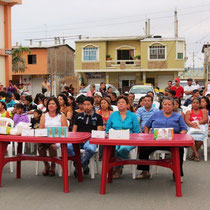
[98,134]
[41,132]
[119,134]
[29,132]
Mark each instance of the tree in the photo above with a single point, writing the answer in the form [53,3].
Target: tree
[18,63]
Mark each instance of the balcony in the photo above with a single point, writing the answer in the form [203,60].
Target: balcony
[123,64]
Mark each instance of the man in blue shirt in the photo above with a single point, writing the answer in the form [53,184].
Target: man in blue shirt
[145,112]
[8,100]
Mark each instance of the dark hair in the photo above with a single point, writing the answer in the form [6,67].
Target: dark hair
[57,103]
[207,102]
[114,94]
[167,99]
[39,96]
[140,100]
[151,92]
[8,95]
[195,91]
[102,83]
[178,100]
[65,93]
[131,107]
[17,96]
[64,98]
[132,94]
[149,96]
[93,86]
[66,88]
[4,105]
[172,92]
[2,93]
[123,97]
[109,107]
[38,112]
[74,105]
[11,82]
[109,87]
[170,81]
[196,99]
[19,106]
[90,99]
[80,99]
[28,98]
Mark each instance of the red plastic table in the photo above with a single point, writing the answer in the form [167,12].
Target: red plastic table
[75,138]
[142,140]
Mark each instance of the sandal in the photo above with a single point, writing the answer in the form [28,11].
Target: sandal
[46,170]
[144,175]
[197,159]
[192,156]
[52,170]
[118,172]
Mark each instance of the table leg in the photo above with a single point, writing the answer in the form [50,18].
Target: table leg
[177,174]
[110,174]
[65,168]
[3,149]
[18,173]
[78,161]
[105,163]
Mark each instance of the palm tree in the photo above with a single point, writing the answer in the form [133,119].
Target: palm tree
[18,63]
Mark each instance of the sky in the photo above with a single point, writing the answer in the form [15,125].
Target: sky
[36,19]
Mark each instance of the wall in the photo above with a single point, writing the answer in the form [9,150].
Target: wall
[100,64]
[2,27]
[60,60]
[170,62]
[40,68]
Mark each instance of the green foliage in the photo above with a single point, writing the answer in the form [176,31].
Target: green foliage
[18,63]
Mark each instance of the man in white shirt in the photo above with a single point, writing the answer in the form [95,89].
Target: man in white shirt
[197,86]
[189,88]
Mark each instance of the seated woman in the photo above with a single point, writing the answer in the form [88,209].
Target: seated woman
[195,118]
[52,118]
[3,110]
[105,111]
[122,120]
[166,118]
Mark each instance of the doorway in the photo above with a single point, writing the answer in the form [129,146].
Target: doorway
[151,81]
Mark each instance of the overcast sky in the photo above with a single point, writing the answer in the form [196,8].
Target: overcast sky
[96,18]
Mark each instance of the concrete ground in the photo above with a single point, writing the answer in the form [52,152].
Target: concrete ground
[37,192]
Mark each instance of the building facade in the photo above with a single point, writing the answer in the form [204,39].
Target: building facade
[125,61]
[52,62]
[5,40]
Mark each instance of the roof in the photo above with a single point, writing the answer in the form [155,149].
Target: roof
[142,38]
[46,47]
[117,38]
[205,46]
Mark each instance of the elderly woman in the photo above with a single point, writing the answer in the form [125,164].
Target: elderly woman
[197,118]
[52,118]
[166,118]
[122,120]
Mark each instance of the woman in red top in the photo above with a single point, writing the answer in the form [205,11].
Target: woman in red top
[105,111]
[194,118]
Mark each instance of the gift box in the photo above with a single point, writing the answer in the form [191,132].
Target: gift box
[163,133]
[57,131]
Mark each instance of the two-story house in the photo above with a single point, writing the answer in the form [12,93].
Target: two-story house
[125,61]
[54,62]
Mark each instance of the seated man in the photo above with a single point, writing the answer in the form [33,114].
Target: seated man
[195,94]
[86,122]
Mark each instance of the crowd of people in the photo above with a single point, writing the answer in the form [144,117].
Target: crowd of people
[103,110]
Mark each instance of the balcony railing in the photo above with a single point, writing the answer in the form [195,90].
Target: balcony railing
[123,64]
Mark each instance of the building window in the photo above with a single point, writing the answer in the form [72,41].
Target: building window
[157,52]
[125,55]
[90,54]
[31,59]
[180,55]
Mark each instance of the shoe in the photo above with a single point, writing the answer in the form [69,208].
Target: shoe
[46,170]
[144,175]
[75,171]
[182,178]
[85,167]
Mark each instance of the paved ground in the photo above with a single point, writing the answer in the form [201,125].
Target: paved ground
[38,192]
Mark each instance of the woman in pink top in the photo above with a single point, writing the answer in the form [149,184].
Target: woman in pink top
[194,118]
[92,90]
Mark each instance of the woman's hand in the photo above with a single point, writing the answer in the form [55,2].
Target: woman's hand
[194,125]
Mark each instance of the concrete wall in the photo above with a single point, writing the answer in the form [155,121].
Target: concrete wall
[2,70]
[2,46]
[100,64]
[60,60]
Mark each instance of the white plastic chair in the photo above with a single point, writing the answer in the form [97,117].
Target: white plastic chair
[133,155]
[6,122]
[205,150]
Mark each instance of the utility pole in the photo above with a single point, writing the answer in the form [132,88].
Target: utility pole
[193,61]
